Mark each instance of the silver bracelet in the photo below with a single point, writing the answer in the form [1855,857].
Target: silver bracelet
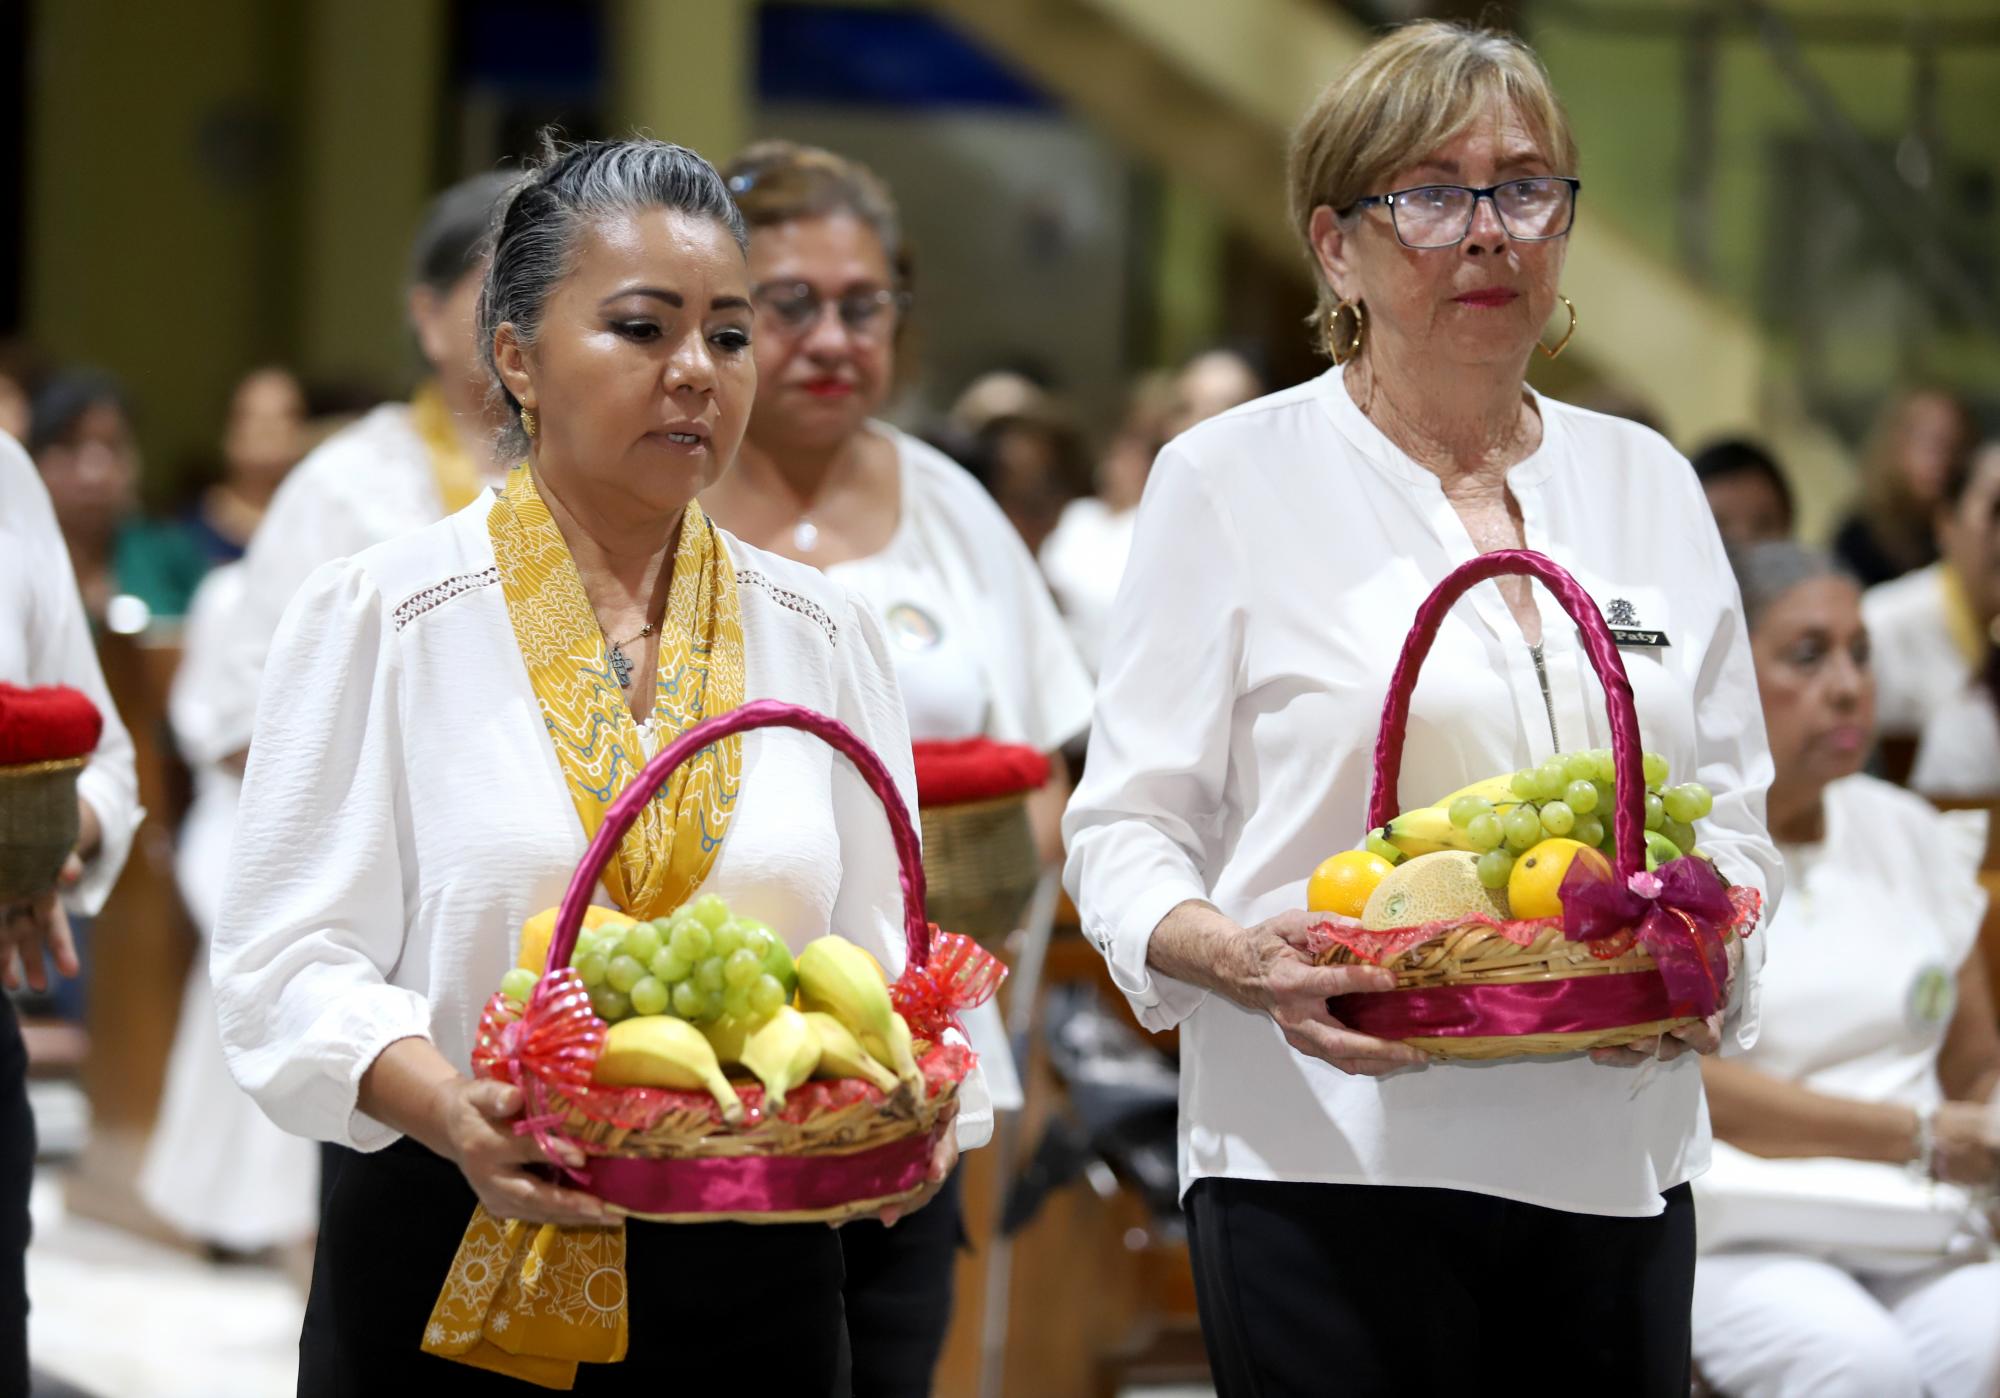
[1923,1142]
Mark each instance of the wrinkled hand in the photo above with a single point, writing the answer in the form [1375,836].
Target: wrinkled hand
[478,1118]
[1703,1036]
[35,936]
[1962,1149]
[1282,981]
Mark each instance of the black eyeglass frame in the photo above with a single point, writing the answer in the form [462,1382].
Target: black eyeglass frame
[1488,193]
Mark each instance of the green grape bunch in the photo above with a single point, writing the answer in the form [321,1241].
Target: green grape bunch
[1572,796]
[698,963]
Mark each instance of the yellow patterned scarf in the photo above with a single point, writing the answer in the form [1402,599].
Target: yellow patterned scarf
[528,1302]
[452,468]
[1960,619]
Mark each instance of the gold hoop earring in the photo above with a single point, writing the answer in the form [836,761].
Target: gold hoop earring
[1552,353]
[1343,353]
[528,423]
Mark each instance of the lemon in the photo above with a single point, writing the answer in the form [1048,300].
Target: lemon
[1342,884]
[1534,889]
[538,931]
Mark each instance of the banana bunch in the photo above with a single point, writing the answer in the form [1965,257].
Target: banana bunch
[1428,829]
[661,1051]
[844,1026]
[839,979]
[782,1052]
[841,1055]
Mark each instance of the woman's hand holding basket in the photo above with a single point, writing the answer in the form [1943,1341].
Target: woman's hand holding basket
[35,935]
[1269,968]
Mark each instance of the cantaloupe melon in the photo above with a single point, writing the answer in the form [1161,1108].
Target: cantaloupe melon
[1429,888]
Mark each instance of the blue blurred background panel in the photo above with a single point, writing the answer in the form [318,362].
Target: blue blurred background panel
[880,58]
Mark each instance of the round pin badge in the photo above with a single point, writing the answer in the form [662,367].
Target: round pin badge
[913,627]
[1933,998]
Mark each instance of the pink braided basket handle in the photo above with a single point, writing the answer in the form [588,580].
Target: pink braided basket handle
[763,713]
[1628,804]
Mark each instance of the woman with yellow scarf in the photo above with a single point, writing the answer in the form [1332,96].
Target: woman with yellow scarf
[446,718]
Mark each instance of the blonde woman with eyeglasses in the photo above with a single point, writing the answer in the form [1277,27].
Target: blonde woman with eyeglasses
[1362,1221]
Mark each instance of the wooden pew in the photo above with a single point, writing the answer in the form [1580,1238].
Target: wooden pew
[1096,1300]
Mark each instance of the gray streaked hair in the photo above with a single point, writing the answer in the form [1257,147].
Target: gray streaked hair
[1767,571]
[535,237]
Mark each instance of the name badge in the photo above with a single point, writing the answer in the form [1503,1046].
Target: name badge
[1623,621]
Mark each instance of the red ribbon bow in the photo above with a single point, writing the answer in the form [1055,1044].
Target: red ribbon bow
[959,974]
[553,1041]
[1681,911]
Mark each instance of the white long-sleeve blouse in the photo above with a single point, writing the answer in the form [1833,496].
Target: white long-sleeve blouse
[1281,552]
[45,640]
[404,812]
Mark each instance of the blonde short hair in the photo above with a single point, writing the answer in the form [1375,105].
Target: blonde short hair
[1409,93]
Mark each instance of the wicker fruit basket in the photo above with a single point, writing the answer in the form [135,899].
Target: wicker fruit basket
[1641,956]
[46,738]
[980,864]
[838,1149]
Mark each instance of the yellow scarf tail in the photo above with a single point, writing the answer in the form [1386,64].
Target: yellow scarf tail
[535,1302]
[452,467]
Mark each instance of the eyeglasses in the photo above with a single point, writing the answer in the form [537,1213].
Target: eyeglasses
[796,307]
[1440,215]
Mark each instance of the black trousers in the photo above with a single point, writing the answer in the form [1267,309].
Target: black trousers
[17,1177]
[715,1307]
[898,1295]
[1319,1289]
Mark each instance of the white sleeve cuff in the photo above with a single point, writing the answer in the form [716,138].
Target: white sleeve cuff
[1742,1018]
[117,823]
[1159,1002]
[974,1123]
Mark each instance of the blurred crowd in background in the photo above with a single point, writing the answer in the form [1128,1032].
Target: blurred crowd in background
[1064,455]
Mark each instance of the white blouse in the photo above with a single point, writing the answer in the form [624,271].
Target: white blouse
[197,706]
[368,482]
[45,640]
[980,650]
[1084,558]
[1282,551]
[1911,649]
[978,647]
[1862,979]
[404,812]
[1926,689]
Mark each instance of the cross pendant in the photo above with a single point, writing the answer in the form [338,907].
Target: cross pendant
[621,667]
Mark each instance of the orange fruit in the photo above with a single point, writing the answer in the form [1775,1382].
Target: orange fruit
[1534,889]
[1342,884]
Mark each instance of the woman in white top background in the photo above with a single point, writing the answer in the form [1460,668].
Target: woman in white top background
[45,640]
[448,716]
[979,649]
[400,467]
[1845,1247]
[216,1168]
[1934,637]
[1361,1222]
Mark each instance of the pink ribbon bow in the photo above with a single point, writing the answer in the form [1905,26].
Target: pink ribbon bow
[552,1043]
[959,974]
[1680,911]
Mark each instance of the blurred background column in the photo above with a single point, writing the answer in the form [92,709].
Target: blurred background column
[682,73]
[368,144]
[156,211]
